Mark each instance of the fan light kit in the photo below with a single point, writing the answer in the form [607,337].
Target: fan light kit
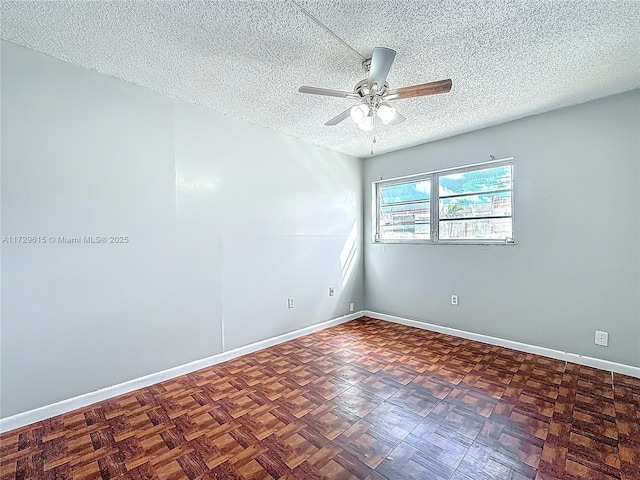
[363,115]
[373,93]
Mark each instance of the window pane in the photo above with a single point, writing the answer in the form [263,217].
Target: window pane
[396,232]
[497,204]
[485,229]
[473,203]
[399,214]
[405,192]
[475,181]
[399,220]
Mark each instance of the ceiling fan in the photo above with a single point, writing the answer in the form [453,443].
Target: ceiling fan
[373,93]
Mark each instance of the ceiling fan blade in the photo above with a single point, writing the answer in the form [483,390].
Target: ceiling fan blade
[432,88]
[381,62]
[327,92]
[338,118]
[397,119]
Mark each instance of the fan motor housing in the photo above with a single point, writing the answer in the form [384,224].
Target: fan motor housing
[362,89]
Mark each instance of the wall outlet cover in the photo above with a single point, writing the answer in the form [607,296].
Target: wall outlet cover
[602,338]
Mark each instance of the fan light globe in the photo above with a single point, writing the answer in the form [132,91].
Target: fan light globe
[359,113]
[386,113]
[366,124]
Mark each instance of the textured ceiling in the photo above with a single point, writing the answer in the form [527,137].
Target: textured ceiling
[507,59]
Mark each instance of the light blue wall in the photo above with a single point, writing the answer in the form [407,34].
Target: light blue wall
[225,221]
[576,265]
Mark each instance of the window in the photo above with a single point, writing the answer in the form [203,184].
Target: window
[472,204]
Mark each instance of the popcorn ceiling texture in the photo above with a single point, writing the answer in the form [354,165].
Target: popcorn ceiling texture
[507,59]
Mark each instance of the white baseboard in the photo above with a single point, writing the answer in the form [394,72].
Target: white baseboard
[523,347]
[64,406]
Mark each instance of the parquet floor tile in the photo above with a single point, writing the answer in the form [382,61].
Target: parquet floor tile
[409,463]
[439,442]
[365,400]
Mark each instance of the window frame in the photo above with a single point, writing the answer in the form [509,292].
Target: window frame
[434,199]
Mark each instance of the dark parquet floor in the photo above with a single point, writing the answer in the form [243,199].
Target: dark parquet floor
[364,400]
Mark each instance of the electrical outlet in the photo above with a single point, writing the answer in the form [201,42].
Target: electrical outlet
[602,338]
[290,302]
[332,290]
[454,299]
[351,307]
